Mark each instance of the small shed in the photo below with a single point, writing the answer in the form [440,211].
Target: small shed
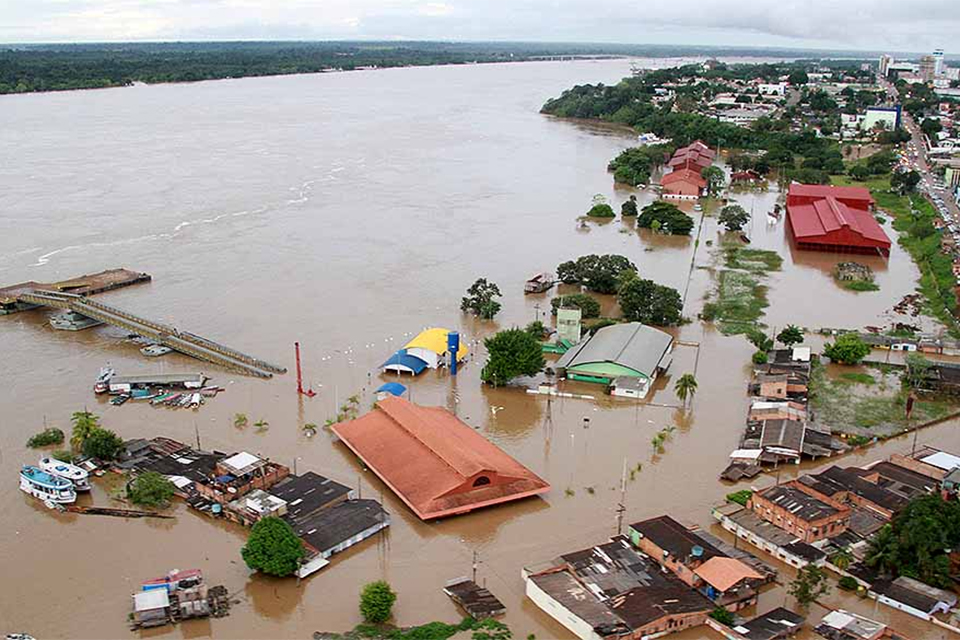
[151,608]
[629,387]
[475,600]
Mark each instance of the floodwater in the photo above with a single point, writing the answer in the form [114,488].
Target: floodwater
[348,211]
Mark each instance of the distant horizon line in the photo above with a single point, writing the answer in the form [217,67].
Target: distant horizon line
[599,45]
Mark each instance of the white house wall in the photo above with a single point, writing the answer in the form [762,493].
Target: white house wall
[561,614]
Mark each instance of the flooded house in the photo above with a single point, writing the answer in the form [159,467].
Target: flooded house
[799,511]
[438,465]
[428,350]
[839,219]
[844,625]
[725,581]
[238,475]
[614,590]
[623,351]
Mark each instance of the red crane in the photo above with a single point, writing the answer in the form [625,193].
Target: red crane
[309,392]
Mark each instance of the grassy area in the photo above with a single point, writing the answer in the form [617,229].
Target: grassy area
[740,297]
[859,403]
[740,497]
[913,217]
[860,285]
[482,630]
[858,378]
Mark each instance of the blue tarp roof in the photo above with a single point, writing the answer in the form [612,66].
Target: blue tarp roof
[403,359]
[394,388]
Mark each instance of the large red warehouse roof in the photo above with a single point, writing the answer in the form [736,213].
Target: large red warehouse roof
[834,218]
[684,175]
[435,463]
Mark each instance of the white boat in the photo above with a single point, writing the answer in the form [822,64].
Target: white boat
[103,380]
[155,350]
[195,400]
[48,488]
[79,477]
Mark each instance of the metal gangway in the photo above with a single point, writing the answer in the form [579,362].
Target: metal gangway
[184,342]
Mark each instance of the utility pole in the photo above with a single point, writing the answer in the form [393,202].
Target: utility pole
[475,562]
[621,506]
[196,430]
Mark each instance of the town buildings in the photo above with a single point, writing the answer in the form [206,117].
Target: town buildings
[840,219]
[798,510]
[685,179]
[435,463]
[844,625]
[613,590]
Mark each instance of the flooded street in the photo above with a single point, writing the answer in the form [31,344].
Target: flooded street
[349,211]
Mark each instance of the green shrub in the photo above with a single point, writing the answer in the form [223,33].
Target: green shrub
[601,211]
[722,616]
[588,305]
[273,548]
[102,444]
[45,438]
[376,602]
[760,357]
[848,583]
[740,497]
[151,489]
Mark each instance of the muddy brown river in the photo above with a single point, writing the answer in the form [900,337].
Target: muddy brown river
[348,211]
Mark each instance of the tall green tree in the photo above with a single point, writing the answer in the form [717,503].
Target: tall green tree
[715,178]
[150,489]
[733,217]
[810,584]
[650,303]
[668,218]
[848,348]
[481,299]
[790,335]
[84,423]
[511,353]
[376,602]
[629,208]
[102,444]
[685,387]
[599,273]
[273,548]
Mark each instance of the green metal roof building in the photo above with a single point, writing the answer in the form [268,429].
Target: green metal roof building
[630,350]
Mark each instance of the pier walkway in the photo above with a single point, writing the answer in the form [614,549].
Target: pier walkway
[182,341]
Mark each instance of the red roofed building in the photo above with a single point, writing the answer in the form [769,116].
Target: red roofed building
[683,183]
[825,218]
[435,463]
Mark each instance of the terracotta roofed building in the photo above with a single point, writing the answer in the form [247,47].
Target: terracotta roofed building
[825,218]
[435,463]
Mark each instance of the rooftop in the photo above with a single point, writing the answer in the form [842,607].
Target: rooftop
[435,463]
[307,493]
[798,503]
[673,537]
[772,625]
[327,528]
[614,587]
[242,463]
[632,345]
[723,573]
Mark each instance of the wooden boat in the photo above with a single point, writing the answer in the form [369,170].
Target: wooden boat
[49,488]
[539,283]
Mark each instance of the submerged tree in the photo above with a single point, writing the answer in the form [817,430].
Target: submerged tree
[715,178]
[600,273]
[650,303]
[790,335]
[848,348]
[480,299]
[668,218]
[629,208]
[733,217]
[84,423]
[273,548]
[150,489]
[600,208]
[102,444]
[376,602]
[512,353]
[810,584]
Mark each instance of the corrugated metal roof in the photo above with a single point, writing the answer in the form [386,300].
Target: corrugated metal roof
[632,345]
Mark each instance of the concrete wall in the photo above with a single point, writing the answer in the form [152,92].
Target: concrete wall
[560,613]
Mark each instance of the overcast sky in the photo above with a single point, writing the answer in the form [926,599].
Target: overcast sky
[905,25]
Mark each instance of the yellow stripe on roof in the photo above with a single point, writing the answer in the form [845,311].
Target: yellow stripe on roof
[435,339]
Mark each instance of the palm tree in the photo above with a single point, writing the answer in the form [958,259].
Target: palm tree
[883,551]
[841,559]
[685,387]
[240,420]
[84,424]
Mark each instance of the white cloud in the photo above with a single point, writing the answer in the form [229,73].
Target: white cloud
[914,25]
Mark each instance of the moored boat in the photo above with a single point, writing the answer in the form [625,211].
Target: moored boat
[79,477]
[48,488]
[538,283]
[103,380]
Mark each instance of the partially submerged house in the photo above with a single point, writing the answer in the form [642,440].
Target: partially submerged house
[435,463]
[629,350]
[844,625]
[799,511]
[826,218]
[428,350]
[614,591]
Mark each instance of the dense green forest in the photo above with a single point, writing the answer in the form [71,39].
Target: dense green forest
[28,68]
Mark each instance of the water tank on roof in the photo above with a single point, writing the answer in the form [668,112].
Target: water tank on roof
[697,551]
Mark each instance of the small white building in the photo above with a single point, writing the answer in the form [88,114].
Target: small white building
[772,89]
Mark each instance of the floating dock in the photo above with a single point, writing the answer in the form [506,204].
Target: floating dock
[85,285]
